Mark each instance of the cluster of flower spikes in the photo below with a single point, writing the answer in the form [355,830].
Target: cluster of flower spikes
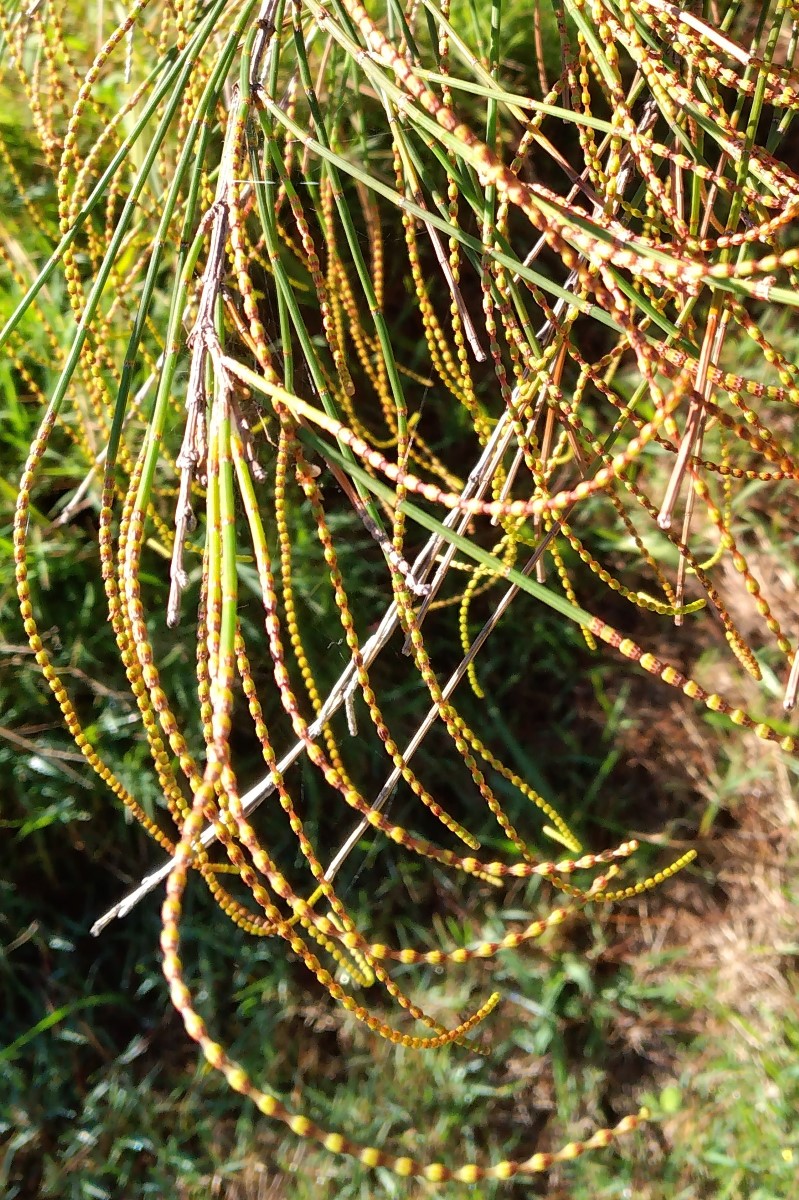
[667,242]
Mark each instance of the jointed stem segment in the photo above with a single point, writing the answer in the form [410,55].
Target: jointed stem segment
[526,350]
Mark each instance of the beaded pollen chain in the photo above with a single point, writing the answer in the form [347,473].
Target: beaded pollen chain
[330,273]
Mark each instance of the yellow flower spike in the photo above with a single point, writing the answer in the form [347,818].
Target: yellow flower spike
[635,239]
